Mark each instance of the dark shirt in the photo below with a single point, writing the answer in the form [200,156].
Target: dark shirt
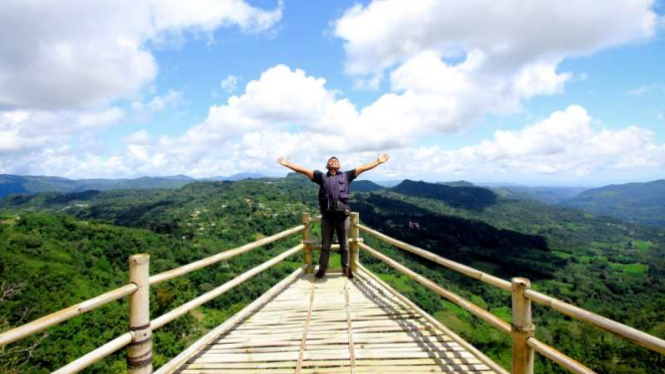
[333,187]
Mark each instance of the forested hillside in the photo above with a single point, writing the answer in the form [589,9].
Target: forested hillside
[633,202]
[58,249]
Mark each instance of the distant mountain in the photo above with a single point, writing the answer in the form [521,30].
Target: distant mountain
[633,202]
[457,184]
[365,186]
[471,198]
[548,195]
[236,177]
[11,184]
[391,183]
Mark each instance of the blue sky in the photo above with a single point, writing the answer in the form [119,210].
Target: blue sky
[550,94]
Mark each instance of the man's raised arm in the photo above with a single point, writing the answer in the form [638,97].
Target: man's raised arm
[285,162]
[379,160]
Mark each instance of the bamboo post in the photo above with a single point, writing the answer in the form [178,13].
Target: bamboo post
[354,234]
[307,241]
[522,328]
[139,353]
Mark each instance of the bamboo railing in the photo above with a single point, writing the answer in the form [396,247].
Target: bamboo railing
[521,330]
[139,337]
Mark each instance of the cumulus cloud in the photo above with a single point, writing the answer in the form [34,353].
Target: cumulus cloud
[69,54]
[451,62]
[565,143]
[387,32]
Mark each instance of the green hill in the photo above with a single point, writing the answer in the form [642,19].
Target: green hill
[473,198]
[549,195]
[18,184]
[633,202]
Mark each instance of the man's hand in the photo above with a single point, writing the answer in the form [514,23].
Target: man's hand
[383,158]
[299,169]
[283,161]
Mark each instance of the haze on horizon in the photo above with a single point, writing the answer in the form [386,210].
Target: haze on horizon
[554,94]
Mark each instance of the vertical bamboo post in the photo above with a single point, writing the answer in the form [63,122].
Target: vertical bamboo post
[139,352]
[522,328]
[307,240]
[354,234]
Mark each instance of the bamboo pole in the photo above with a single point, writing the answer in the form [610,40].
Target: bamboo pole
[139,353]
[456,338]
[170,274]
[472,308]
[45,322]
[96,355]
[228,324]
[354,249]
[306,239]
[648,341]
[466,270]
[558,357]
[182,309]
[522,328]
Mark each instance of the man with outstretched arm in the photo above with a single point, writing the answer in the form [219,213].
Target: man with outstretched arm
[334,203]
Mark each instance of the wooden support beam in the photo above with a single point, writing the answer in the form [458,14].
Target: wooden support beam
[354,235]
[522,328]
[307,239]
[139,352]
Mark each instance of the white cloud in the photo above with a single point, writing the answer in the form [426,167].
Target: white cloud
[388,32]
[229,84]
[172,99]
[566,143]
[140,137]
[451,62]
[647,88]
[69,54]
[28,130]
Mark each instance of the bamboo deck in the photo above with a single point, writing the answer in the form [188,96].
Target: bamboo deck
[334,325]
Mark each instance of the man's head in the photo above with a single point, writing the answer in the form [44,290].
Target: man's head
[333,164]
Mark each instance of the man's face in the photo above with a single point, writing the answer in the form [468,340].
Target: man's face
[333,164]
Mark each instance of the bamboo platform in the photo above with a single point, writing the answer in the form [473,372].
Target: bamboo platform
[336,325]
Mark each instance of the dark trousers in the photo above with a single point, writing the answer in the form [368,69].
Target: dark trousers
[330,225]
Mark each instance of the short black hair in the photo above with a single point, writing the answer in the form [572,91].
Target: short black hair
[332,158]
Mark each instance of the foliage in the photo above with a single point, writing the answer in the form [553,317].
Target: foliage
[633,202]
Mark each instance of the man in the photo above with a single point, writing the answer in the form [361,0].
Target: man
[334,203]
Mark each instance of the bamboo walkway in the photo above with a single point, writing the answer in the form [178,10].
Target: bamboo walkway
[336,325]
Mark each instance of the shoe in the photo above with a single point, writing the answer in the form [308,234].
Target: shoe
[319,274]
[348,273]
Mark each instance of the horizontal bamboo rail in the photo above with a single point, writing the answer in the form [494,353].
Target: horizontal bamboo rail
[463,343]
[558,357]
[210,295]
[96,355]
[60,316]
[170,274]
[648,341]
[229,323]
[466,270]
[453,297]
